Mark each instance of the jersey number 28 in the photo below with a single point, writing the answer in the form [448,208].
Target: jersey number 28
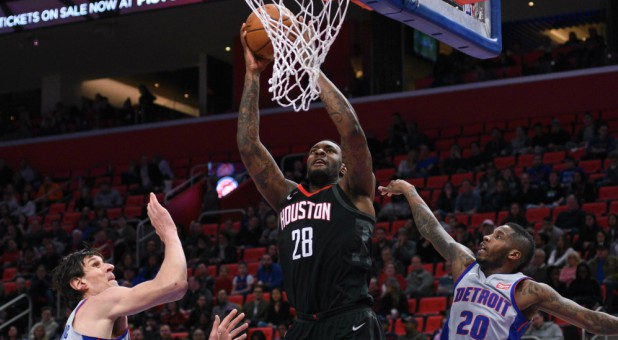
[304,238]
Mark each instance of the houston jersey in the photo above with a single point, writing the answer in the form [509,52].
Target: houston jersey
[71,334]
[484,307]
[324,250]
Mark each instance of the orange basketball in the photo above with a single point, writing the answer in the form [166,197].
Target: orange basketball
[257,38]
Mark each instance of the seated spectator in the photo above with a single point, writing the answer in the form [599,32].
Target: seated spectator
[419,281]
[223,252]
[446,284]
[403,247]
[553,277]
[201,309]
[541,328]
[584,290]
[582,188]
[393,298]
[48,324]
[250,234]
[255,311]
[448,197]
[557,137]
[49,190]
[37,332]
[588,130]
[84,200]
[499,200]
[611,173]
[426,162]
[107,197]
[468,201]
[553,194]
[512,182]
[379,242]
[477,160]
[389,271]
[529,196]
[573,218]
[243,282]
[542,242]
[520,144]
[26,204]
[601,145]
[537,269]
[588,236]
[496,146]
[223,306]
[397,209]
[269,235]
[149,270]
[604,269]
[386,328]
[278,311]
[516,215]
[412,331]
[540,140]
[407,167]
[172,316]
[194,292]
[269,274]
[487,182]
[538,171]
[223,281]
[386,257]
[567,273]
[552,232]
[454,163]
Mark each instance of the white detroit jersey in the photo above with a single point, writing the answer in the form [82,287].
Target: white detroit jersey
[71,334]
[484,307]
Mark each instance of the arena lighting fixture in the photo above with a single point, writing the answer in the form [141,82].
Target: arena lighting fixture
[531,3]
[227,48]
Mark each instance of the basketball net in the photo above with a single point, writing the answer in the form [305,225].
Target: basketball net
[300,49]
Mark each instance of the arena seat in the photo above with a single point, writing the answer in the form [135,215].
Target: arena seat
[432,305]
[596,208]
[537,214]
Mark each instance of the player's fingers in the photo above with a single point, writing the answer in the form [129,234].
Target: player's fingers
[215,326]
[236,320]
[227,319]
[242,337]
[238,330]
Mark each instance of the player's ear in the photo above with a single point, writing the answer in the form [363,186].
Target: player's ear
[343,170]
[515,255]
[78,284]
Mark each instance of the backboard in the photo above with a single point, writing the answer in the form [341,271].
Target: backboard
[474,29]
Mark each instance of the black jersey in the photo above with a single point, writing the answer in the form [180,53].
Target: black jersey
[324,250]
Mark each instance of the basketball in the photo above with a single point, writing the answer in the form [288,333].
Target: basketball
[257,38]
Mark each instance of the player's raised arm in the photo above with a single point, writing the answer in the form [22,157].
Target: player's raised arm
[427,224]
[170,284]
[531,294]
[261,166]
[359,179]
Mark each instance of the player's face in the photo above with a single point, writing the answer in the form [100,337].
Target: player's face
[494,248]
[324,163]
[98,275]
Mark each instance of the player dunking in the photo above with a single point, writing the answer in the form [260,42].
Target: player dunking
[101,307]
[325,229]
[492,300]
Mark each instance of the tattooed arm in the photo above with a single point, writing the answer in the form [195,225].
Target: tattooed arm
[359,180]
[533,295]
[263,169]
[427,224]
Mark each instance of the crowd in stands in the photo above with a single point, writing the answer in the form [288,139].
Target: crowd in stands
[548,175]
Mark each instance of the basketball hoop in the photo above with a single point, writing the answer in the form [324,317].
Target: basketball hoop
[300,48]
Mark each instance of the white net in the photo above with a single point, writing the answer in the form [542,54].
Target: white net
[300,48]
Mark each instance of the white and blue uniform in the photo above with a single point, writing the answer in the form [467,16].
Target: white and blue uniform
[71,334]
[484,307]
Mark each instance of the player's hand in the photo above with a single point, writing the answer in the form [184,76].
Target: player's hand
[252,62]
[226,329]
[160,218]
[396,187]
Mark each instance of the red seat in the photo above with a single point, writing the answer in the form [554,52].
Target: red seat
[417,182]
[557,210]
[436,182]
[400,328]
[210,229]
[478,218]
[133,212]
[268,332]
[457,179]
[444,144]
[397,225]
[525,160]
[472,130]
[232,269]
[135,200]
[180,335]
[114,213]
[9,274]
[428,267]
[212,270]
[608,193]
[253,254]
[467,141]
[513,124]
[236,299]
[450,132]
[57,208]
[613,207]
[439,270]
[384,174]
[52,217]
[432,305]
[553,157]
[463,219]
[592,166]
[497,125]
[433,323]
[504,162]
[252,268]
[9,287]
[70,218]
[501,216]
[597,208]
[537,214]
[412,306]
[251,297]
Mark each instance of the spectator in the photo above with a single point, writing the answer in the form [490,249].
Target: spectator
[194,292]
[611,173]
[476,161]
[468,201]
[540,140]
[28,174]
[389,271]
[165,333]
[584,290]
[553,275]
[151,178]
[403,247]
[250,234]
[446,284]
[496,146]
[588,130]
[84,200]
[269,235]
[553,193]
[131,175]
[543,329]
[537,269]
[500,199]
[223,306]
[395,143]
[38,332]
[426,161]
[203,276]
[582,188]
[386,257]
[604,269]
[149,270]
[255,311]
[172,316]
[407,167]
[588,236]
[396,209]
[415,137]
[223,252]
[448,198]
[49,325]
[487,182]
[269,274]
[223,281]
[379,242]
[557,136]
[243,282]
[419,281]
[412,332]
[529,196]
[198,334]
[553,233]
[394,298]
[454,163]
[567,273]
[107,197]
[49,191]
[601,145]
[538,171]
[201,309]
[26,204]
[520,144]
[386,328]
[512,182]
[516,215]
[278,311]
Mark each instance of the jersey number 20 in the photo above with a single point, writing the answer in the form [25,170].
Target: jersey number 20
[480,323]
[304,238]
